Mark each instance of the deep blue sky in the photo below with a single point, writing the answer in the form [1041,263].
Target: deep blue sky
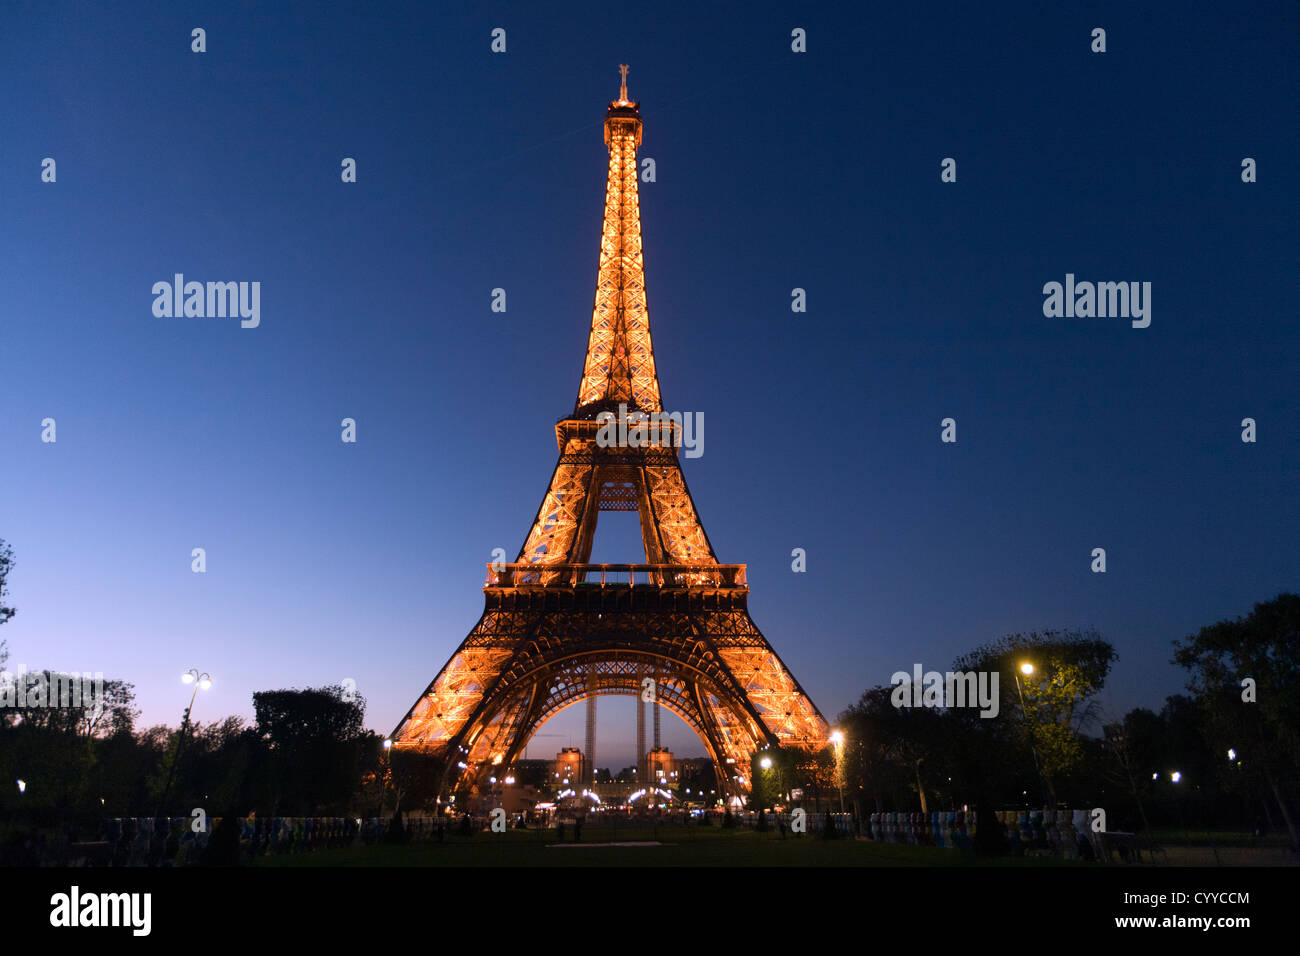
[775,170]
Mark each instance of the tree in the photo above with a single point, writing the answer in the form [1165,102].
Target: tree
[89,718]
[57,744]
[768,785]
[880,749]
[217,759]
[891,752]
[1260,720]
[1049,708]
[314,740]
[1133,745]
[813,771]
[416,777]
[6,565]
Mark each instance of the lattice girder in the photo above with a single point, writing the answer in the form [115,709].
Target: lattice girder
[620,365]
[569,629]
[679,526]
[721,677]
[552,690]
[651,478]
[541,694]
[552,536]
[786,711]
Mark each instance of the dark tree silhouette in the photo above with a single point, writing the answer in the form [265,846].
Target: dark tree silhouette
[1245,675]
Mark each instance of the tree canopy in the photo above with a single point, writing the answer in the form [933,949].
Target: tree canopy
[1245,675]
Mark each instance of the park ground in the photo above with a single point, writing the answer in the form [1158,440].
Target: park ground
[699,846]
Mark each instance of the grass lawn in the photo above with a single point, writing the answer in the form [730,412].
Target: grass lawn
[678,846]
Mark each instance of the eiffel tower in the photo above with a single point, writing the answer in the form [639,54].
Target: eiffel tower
[557,630]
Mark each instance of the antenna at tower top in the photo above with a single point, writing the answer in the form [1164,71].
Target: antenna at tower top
[622,89]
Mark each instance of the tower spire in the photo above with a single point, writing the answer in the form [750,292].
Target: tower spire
[620,367]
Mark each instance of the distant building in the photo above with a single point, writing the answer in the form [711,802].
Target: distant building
[569,766]
[696,780]
[614,793]
[519,798]
[661,771]
[537,773]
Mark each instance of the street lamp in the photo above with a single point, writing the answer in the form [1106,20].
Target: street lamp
[192,676]
[837,738]
[766,763]
[1027,669]
[383,775]
[201,681]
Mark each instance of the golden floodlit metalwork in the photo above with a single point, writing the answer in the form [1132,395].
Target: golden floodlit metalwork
[556,629]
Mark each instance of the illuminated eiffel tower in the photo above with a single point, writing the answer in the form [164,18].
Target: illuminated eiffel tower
[557,630]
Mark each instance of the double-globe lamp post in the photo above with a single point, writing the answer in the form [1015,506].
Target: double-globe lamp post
[201,681]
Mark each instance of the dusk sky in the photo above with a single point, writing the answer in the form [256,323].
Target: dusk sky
[774,170]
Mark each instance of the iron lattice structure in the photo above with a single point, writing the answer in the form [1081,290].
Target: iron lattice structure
[556,629]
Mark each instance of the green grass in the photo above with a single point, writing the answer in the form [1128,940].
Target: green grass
[681,846]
